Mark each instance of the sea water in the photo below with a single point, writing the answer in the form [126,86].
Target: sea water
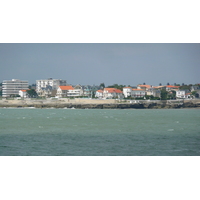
[99,132]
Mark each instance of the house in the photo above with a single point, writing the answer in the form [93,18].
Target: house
[99,94]
[127,91]
[69,91]
[144,87]
[64,91]
[47,91]
[109,93]
[171,87]
[188,95]
[23,93]
[154,92]
[180,94]
[138,93]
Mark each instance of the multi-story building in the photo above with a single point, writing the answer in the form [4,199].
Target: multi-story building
[12,87]
[47,86]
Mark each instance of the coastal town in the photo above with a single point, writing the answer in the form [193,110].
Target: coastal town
[57,88]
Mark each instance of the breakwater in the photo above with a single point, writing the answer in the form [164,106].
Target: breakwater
[100,104]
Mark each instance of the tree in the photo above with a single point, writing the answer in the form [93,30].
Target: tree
[195,94]
[31,93]
[172,94]
[163,94]
[120,87]
[102,86]
[160,84]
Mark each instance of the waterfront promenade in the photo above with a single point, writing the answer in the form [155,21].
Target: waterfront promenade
[99,103]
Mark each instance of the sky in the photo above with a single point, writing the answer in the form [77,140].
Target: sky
[95,63]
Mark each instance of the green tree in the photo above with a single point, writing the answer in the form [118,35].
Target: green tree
[120,87]
[31,93]
[172,94]
[195,94]
[102,85]
[163,94]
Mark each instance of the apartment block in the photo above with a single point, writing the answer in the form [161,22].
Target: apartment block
[12,87]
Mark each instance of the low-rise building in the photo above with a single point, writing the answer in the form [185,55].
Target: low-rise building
[171,87]
[99,94]
[23,93]
[127,91]
[109,93]
[180,94]
[68,91]
[144,87]
[63,91]
[138,93]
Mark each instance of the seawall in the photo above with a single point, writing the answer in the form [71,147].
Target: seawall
[101,104]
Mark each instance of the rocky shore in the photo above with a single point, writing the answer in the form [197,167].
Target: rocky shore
[100,104]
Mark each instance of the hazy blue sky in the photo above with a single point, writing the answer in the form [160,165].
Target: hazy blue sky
[128,64]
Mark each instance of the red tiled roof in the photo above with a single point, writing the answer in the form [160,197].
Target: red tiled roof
[100,91]
[172,86]
[23,90]
[68,87]
[147,86]
[137,89]
[113,90]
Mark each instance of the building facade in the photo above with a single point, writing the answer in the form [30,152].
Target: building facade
[47,86]
[12,87]
[127,91]
[138,93]
[23,93]
[180,94]
[109,93]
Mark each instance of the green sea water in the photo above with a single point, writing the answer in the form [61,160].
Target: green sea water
[99,132]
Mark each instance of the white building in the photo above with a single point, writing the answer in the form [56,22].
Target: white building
[138,93]
[127,91]
[23,93]
[12,87]
[62,91]
[109,93]
[99,94]
[68,91]
[180,94]
[47,86]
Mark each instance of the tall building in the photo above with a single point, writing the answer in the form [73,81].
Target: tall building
[47,86]
[12,87]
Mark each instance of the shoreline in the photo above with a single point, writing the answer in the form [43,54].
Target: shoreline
[100,104]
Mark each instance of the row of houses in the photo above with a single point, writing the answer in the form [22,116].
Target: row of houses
[47,88]
[59,88]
